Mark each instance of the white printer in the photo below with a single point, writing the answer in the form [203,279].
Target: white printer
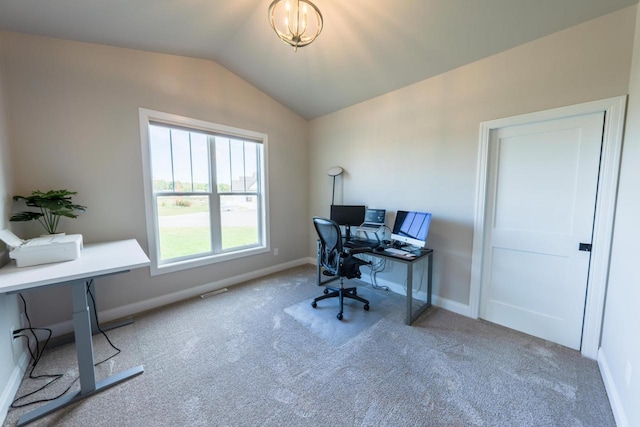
[42,250]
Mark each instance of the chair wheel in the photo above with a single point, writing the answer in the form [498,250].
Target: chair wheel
[326,291]
[339,316]
[366,307]
[314,304]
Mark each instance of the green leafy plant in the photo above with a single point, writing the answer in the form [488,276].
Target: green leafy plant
[52,205]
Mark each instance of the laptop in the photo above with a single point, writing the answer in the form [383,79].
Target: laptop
[373,220]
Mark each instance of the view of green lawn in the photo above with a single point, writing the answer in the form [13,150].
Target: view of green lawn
[183,239]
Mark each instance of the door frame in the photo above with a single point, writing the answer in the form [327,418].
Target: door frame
[614,109]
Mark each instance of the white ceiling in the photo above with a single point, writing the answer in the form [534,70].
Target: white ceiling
[367,47]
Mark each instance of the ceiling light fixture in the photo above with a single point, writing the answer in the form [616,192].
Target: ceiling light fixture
[296,22]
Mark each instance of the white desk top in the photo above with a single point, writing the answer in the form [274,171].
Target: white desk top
[96,259]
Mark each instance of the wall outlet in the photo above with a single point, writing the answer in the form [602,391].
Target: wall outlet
[627,374]
[275,252]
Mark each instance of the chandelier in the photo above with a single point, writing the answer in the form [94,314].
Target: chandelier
[296,22]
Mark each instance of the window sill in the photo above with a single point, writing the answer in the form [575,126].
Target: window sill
[199,262]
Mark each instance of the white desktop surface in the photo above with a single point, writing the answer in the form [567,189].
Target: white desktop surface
[96,259]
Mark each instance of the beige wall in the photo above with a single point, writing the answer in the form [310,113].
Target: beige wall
[10,351]
[620,353]
[416,148]
[74,121]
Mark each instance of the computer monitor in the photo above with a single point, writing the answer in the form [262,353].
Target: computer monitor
[375,216]
[348,215]
[411,228]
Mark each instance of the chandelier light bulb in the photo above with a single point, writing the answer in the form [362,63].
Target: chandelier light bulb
[301,26]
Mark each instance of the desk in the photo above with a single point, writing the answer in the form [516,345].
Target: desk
[421,255]
[96,260]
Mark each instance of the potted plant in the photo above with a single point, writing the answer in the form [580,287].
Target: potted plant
[51,206]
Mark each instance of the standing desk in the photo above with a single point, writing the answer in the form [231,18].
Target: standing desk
[420,255]
[96,260]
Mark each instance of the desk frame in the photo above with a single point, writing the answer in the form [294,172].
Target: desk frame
[96,261]
[411,316]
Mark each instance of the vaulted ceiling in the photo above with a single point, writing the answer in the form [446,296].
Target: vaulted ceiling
[367,47]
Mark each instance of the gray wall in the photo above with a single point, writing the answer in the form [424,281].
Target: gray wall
[417,148]
[10,351]
[74,124]
[620,353]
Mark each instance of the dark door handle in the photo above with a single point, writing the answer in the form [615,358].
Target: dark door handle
[585,247]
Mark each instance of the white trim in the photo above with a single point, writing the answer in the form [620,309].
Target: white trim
[451,305]
[145,117]
[7,395]
[617,406]
[614,109]
[437,301]
[129,310]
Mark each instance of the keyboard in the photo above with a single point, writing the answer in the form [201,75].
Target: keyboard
[361,244]
[394,251]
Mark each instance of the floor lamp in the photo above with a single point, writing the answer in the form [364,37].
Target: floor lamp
[333,172]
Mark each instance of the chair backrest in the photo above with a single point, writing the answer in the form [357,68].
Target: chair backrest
[330,243]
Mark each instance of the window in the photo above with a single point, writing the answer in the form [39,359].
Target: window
[204,190]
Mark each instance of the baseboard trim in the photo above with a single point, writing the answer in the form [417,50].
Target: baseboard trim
[451,305]
[129,310]
[612,391]
[10,390]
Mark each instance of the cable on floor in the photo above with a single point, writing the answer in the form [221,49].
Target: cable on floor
[40,351]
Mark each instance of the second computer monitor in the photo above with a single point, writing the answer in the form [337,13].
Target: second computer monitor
[411,228]
[349,215]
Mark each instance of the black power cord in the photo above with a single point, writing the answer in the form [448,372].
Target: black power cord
[35,358]
[95,315]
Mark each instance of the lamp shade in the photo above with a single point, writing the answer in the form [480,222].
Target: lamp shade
[335,171]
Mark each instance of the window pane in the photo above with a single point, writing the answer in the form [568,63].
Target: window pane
[223,164]
[251,166]
[160,147]
[237,165]
[200,162]
[181,151]
[184,226]
[239,220]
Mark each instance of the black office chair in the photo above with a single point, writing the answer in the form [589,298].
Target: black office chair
[338,263]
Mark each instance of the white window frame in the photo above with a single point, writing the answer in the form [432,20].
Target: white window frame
[147,117]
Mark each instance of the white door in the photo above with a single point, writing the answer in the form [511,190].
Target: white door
[541,198]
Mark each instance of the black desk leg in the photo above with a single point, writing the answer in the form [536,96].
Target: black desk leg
[411,316]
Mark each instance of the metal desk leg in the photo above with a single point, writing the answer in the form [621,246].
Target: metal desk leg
[410,315]
[318,266]
[409,319]
[84,350]
[82,332]
[429,277]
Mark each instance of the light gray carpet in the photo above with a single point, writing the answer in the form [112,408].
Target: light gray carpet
[257,356]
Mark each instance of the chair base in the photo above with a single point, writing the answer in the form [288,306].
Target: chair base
[341,293]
